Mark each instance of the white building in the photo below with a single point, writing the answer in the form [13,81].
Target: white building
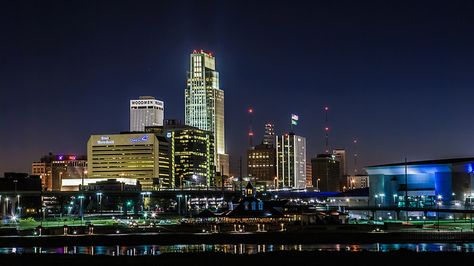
[204,103]
[144,112]
[291,161]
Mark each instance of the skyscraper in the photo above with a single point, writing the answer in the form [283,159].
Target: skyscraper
[261,163]
[191,154]
[204,103]
[269,137]
[291,161]
[326,176]
[144,112]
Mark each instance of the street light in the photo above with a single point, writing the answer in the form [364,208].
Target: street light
[81,197]
[317,182]
[99,195]
[437,207]
[18,205]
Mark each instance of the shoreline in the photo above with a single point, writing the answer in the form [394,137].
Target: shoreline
[237,238]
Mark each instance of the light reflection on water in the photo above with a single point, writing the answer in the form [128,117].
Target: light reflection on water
[144,250]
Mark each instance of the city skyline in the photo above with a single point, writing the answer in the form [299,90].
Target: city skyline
[77,74]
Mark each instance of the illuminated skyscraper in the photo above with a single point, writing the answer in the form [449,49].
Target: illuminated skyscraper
[191,154]
[291,161]
[204,103]
[144,112]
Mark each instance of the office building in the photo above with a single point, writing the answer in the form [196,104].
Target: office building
[422,183]
[146,111]
[204,104]
[326,176]
[291,161]
[261,163]
[269,137]
[53,169]
[191,154]
[140,156]
[309,174]
[341,157]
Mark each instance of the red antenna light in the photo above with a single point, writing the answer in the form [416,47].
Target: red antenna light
[250,112]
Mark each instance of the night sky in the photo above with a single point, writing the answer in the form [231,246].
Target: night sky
[397,75]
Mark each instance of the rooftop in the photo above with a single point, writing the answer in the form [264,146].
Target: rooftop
[427,162]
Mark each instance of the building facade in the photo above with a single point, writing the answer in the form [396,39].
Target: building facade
[340,155]
[204,104]
[141,156]
[326,176]
[53,169]
[191,154]
[146,111]
[261,163]
[291,161]
[309,174]
[269,136]
[357,181]
[422,183]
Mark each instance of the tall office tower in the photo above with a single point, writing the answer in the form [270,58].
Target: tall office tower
[146,111]
[141,156]
[291,161]
[53,169]
[341,157]
[204,103]
[326,176]
[261,163]
[191,154]
[269,137]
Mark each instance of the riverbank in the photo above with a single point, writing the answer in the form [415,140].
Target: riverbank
[300,237]
[402,257]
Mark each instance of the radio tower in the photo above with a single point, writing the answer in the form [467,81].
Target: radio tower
[355,156]
[250,112]
[326,128]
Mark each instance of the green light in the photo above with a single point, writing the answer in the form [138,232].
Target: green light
[129,203]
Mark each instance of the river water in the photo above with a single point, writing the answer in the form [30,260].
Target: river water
[154,250]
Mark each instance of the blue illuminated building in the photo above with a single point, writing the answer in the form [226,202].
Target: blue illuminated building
[422,183]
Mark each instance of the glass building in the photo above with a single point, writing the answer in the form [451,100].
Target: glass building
[191,154]
[422,183]
[204,104]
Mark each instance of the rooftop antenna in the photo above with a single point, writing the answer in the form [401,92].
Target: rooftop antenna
[355,156]
[326,129]
[250,112]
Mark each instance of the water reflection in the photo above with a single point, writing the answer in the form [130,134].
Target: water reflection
[154,250]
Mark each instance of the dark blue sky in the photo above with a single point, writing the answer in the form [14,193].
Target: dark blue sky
[397,75]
